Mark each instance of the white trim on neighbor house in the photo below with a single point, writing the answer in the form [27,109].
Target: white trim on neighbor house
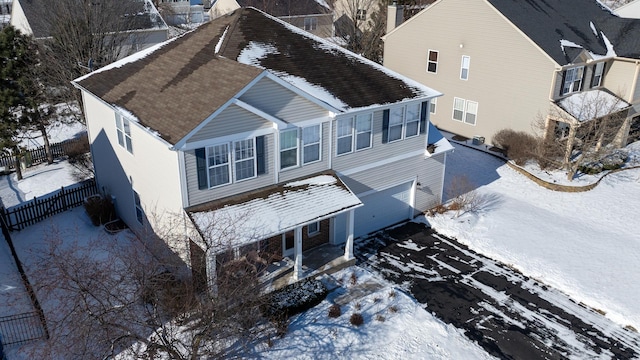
[465,108]
[464,67]
[431,62]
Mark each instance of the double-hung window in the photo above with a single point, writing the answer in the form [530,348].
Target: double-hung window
[244,159]
[396,121]
[123,128]
[432,105]
[313,228]
[345,136]
[310,23]
[364,131]
[310,144]
[412,124]
[289,148]
[432,61]
[572,80]
[464,67]
[465,110]
[218,164]
[598,70]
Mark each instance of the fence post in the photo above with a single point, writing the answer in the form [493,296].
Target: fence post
[64,198]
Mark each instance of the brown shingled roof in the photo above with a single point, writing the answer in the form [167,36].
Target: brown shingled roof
[175,88]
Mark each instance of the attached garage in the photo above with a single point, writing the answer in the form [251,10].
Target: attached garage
[383,208]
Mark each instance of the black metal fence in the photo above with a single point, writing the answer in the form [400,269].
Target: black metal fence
[38,209]
[39,155]
[21,328]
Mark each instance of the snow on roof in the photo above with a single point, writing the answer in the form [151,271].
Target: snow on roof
[593,104]
[254,52]
[219,44]
[323,3]
[316,91]
[283,209]
[436,138]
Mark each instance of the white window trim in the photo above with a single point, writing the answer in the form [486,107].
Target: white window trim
[351,134]
[406,121]
[574,71]
[356,133]
[121,129]
[313,23]
[229,163]
[429,51]
[138,206]
[462,67]
[600,66]
[402,124]
[297,147]
[316,232]
[235,161]
[465,107]
[433,102]
[303,145]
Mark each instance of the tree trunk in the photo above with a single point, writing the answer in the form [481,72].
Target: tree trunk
[47,146]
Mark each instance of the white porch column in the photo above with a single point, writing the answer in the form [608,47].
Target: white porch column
[297,249]
[212,275]
[348,246]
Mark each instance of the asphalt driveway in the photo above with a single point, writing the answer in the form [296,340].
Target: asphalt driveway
[509,315]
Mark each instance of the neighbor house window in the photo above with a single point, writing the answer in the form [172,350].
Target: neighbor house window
[244,159]
[572,80]
[218,164]
[138,207]
[289,148]
[361,14]
[123,128]
[458,109]
[464,67]
[471,112]
[311,144]
[598,70]
[432,105]
[313,228]
[412,124]
[465,110]
[432,61]
[363,131]
[396,120]
[310,23]
[345,136]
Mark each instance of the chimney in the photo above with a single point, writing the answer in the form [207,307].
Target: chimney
[395,16]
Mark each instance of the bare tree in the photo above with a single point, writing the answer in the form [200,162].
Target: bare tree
[128,297]
[587,125]
[360,25]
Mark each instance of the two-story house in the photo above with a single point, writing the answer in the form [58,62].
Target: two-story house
[257,135]
[313,16]
[505,64]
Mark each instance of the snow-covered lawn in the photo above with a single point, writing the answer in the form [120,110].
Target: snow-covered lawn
[584,244]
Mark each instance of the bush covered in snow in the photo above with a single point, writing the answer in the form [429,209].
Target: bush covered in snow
[612,161]
[295,298]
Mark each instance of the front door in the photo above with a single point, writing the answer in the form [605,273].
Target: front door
[288,243]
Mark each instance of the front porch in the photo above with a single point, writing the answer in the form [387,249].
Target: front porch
[323,259]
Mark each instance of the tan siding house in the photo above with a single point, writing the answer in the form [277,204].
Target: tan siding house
[501,64]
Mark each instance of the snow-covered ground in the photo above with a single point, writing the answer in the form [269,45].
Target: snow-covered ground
[584,244]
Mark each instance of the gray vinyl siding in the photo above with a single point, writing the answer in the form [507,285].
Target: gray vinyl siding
[378,151]
[312,168]
[427,170]
[196,196]
[232,120]
[278,101]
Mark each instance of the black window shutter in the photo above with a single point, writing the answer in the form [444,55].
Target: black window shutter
[201,164]
[593,75]
[385,126]
[423,117]
[582,81]
[260,155]
[564,76]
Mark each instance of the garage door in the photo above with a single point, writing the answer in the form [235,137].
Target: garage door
[383,209]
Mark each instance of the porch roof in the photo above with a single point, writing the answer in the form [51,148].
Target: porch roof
[592,104]
[249,217]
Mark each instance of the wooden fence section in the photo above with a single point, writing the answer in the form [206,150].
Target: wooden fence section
[22,328]
[39,155]
[38,209]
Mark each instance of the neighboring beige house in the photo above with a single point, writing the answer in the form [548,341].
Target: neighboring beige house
[505,64]
[250,134]
[314,16]
[147,29]
[629,10]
